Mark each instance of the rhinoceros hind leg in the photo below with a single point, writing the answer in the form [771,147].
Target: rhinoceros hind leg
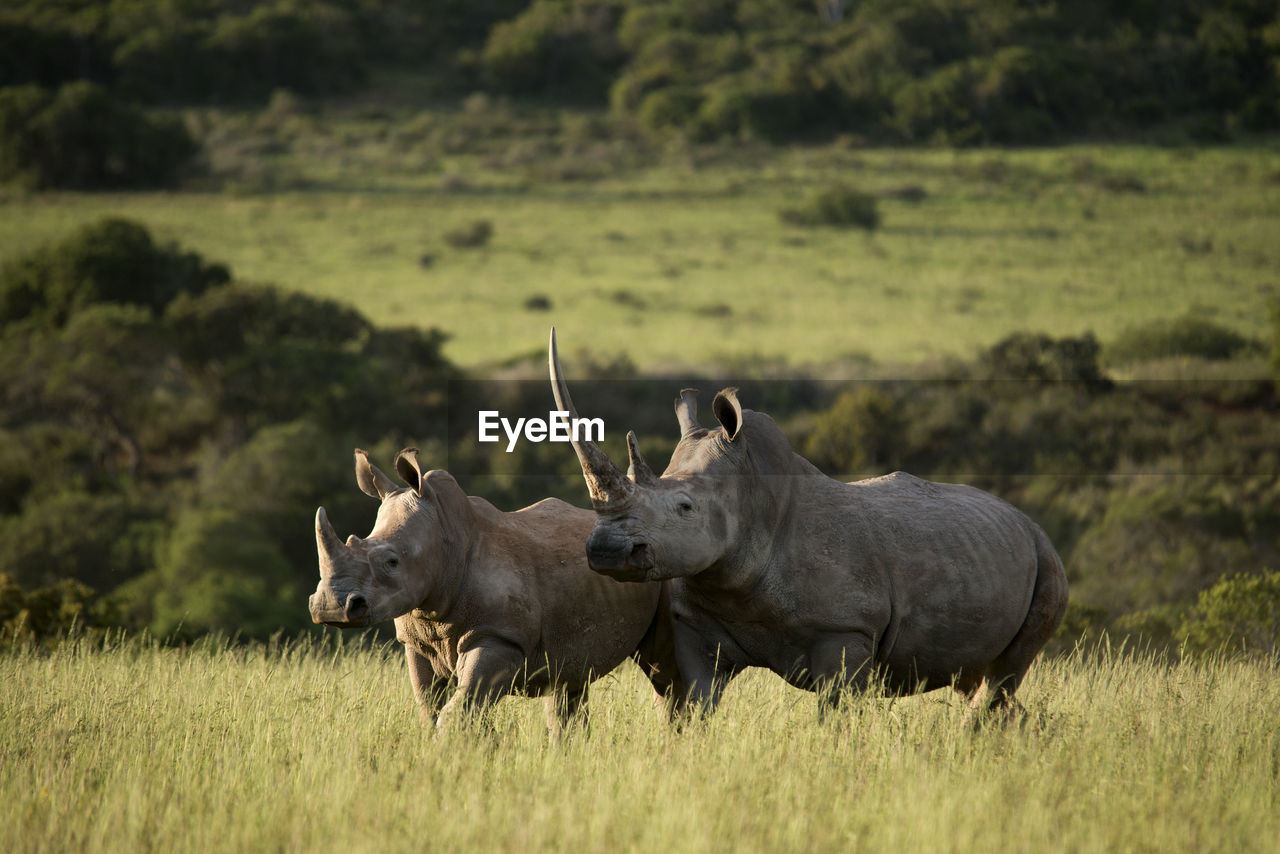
[1048,603]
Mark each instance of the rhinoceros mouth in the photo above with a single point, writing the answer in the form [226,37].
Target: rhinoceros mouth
[623,561]
[344,612]
[624,573]
[339,622]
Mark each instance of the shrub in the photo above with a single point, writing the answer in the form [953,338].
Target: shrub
[234,57]
[472,236]
[839,206]
[861,432]
[82,138]
[566,47]
[1241,611]
[112,260]
[1040,358]
[1184,336]
[45,612]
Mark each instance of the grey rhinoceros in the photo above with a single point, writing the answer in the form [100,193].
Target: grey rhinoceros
[773,564]
[487,601]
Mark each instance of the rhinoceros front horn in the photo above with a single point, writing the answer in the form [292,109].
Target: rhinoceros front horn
[605,481]
[327,542]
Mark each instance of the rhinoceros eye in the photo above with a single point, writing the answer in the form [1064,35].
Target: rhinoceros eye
[685,507]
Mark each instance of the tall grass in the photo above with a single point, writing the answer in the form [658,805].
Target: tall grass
[316,747]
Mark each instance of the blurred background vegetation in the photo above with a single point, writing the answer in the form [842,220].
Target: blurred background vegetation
[169,426]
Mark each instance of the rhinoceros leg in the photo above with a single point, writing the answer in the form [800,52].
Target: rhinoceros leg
[1048,604]
[840,664]
[429,688]
[486,673]
[656,656]
[566,706]
[705,671]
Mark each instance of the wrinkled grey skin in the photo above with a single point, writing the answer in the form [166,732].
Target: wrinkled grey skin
[773,564]
[487,603]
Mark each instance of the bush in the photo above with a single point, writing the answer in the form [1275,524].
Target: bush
[1183,336]
[242,557]
[112,260]
[42,613]
[556,46]
[1040,358]
[234,57]
[471,236]
[1240,611]
[840,206]
[98,540]
[860,433]
[82,138]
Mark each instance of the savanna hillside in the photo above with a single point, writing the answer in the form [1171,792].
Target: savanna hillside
[240,239]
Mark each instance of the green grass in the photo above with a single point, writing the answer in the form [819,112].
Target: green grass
[686,262]
[318,748]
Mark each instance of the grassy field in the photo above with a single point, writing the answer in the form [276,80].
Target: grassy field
[317,748]
[687,263]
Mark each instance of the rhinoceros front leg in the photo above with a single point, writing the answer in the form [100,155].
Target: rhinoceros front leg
[429,687]
[564,707]
[486,673]
[705,671]
[840,664]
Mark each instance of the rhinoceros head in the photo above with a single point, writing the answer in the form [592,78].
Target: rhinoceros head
[389,573]
[648,527]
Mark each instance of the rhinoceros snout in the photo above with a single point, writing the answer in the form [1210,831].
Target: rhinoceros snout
[357,608]
[333,609]
[618,556]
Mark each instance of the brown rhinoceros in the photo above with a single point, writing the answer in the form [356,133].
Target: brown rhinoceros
[773,564]
[487,601]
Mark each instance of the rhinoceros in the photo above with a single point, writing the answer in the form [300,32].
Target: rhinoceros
[488,601]
[771,563]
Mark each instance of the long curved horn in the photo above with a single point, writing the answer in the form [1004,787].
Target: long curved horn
[605,481]
[327,542]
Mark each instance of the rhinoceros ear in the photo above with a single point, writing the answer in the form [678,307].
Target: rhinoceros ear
[410,471]
[687,411]
[373,482]
[728,412]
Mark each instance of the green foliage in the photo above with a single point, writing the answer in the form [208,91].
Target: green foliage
[859,433]
[81,138]
[173,433]
[946,71]
[1240,611]
[112,260]
[837,206]
[556,46]
[1040,358]
[1183,336]
[100,540]
[1275,342]
[242,556]
[44,614]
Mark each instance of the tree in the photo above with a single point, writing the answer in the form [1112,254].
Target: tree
[112,260]
[81,138]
